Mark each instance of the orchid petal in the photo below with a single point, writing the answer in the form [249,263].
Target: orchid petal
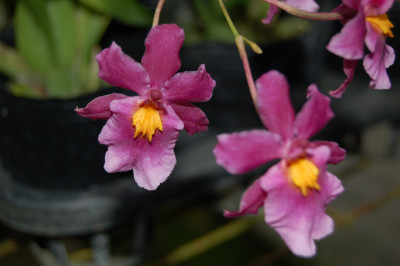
[306,5]
[314,115]
[193,86]
[377,7]
[276,110]
[161,58]
[120,70]
[337,154]
[244,151]
[375,65]
[349,43]
[193,117]
[299,219]
[272,11]
[99,108]
[156,160]
[349,68]
[252,199]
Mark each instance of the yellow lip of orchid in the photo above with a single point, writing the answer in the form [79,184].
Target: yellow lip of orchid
[382,23]
[304,175]
[146,120]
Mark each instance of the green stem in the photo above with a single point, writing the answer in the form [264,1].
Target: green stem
[228,18]
[157,12]
[310,15]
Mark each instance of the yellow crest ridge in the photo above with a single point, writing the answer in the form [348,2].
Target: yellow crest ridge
[382,23]
[146,120]
[304,175]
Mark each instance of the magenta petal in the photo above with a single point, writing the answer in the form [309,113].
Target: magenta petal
[276,110]
[252,199]
[349,68]
[314,115]
[161,58]
[120,70]
[337,154]
[306,5]
[377,7]
[299,220]
[241,152]
[193,86]
[193,117]
[99,108]
[375,65]
[156,161]
[349,43]
[272,11]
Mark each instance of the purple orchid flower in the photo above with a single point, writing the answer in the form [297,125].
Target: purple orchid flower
[306,5]
[370,25]
[296,190]
[141,131]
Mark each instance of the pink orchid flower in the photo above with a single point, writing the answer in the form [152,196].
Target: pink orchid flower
[141,131]
[306,5]
[296,190]
[370,25]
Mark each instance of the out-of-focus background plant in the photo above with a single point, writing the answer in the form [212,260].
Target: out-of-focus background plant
[56,42]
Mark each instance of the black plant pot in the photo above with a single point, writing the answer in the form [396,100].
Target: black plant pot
[46,144]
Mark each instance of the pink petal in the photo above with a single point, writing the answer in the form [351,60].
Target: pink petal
[252,199]
[156,161]
[349,68]
[349,43]
[193,117]
[299,220]
[337,154]
[375,65]
[241,152]
[272,11]
[161,58]
[193,86]
[275,108]
[354,4]
[306,5]
[119,70]
[377,7]
[314,115]
[99,108]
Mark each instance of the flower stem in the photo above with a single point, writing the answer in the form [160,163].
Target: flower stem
[239,40]
[157,12]
[310,15]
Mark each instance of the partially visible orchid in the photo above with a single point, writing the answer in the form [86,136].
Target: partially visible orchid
[141,131]
[296,190]
[369,25]
[306,5]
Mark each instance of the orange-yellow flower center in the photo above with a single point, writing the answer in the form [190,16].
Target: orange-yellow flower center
[146,120]
[382,23]
[304,175]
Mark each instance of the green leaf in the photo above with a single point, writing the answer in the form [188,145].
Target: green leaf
[63,31]
[32,40]
[127,11]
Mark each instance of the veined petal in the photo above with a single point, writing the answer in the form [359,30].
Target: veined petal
[99,108]
[161,58]
[193,117]
[337,154]
[299,220]
[252,199]
[241,152]
[349,68]
[193,86]
[377,7]
[375,65]
[156,160]
[272,11]
[120,70]
[314,115]
[349,43]
[276,110]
